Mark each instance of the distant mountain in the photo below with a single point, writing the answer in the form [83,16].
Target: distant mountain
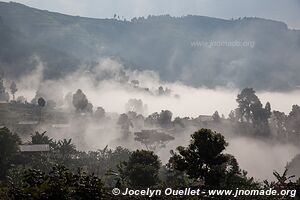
[159,43]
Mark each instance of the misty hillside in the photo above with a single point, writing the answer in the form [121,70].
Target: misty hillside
[158,43]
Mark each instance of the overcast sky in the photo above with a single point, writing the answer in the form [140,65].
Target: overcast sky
[282,10]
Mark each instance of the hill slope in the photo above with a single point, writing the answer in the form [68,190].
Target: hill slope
[159,43]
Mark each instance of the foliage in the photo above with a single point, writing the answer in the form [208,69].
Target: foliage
[173,178]
[124,124]
[99,113]
[142,169]
[293,119]
[59,183]
[251,109]
[8,148]
[163,119]
[201,159]
[153,139]
[13,89]
[40,138]
[80,101]
[283,182]
[4,96]
[216,117]
[41,102]
[103,160]
[204,162]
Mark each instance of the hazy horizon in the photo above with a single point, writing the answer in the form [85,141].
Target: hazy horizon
[285,11]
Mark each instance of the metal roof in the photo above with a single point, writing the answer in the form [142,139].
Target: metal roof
[34,148]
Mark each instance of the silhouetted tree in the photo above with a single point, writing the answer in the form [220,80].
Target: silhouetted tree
[232,116]
[165,118]
[293,120]
[80,101]
[152,119]
[202,159]
[99,113]
[89,108]
[59,183]
[4,96]
[142,169]
[278,121]
[125,124]
[246,99]
[252,110]
[9,145]
[41,138]
[152,139]
[161,91]
[284,182]
[268,110]
[13,89]
[66,147]
[41,102]
[216,117]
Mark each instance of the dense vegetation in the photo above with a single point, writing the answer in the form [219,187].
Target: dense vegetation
[91,175]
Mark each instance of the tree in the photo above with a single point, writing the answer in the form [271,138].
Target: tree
[4,96]
[41,102]
[202,159]
[165,118]
[108,159]
[233,116]
[278,121]
[152,139]
[99,113]
[8,148]
[66,147]
[268,110]
[41,138]
[246,99]
[216,117]
[161,91]
[142,169]
[13,89]
[293,119]
[80,101]
[59,183]
[152,119]
[284,182]
[124,124]
[252,110]
[89,108]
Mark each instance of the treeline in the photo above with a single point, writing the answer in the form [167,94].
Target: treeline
[65,173]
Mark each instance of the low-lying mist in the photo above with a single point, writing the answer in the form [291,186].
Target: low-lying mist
[110,86]
[112,94]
